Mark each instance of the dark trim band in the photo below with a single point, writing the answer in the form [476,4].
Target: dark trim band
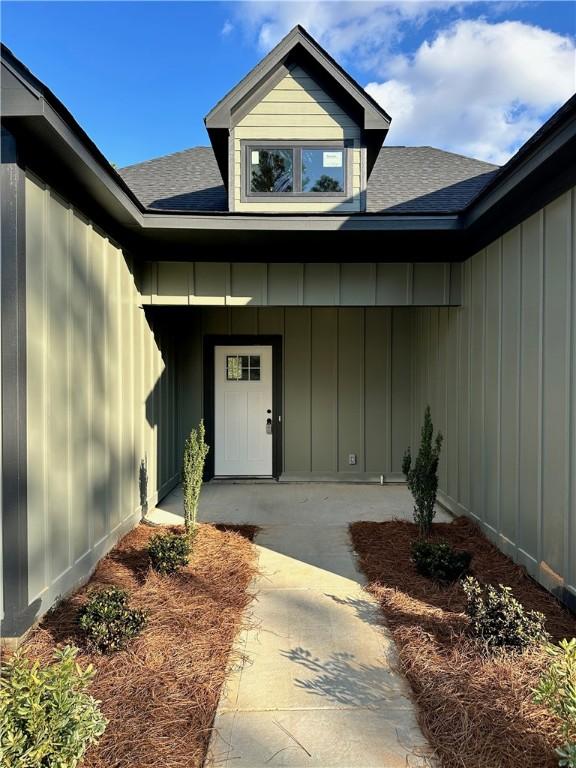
[18,615]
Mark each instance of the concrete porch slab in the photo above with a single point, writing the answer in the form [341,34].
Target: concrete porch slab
[289,504]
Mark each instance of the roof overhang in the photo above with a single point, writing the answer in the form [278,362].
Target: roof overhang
[297,48]
[55,148]
[542,169]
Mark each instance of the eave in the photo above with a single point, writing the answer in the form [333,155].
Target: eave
[55,148]
[542,169]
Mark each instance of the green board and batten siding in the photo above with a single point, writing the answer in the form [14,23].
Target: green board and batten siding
[297,108]
[500,375]
[100,396]
[106,389]
[245,284]
[346,373]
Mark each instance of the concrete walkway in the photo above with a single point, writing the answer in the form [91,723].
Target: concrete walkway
[317,687]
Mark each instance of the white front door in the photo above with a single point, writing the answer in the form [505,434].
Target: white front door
[243,406]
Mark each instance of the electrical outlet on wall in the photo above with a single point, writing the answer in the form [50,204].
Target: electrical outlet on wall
[352,459]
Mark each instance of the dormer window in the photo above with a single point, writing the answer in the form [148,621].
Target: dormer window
[297,134]
[295,170]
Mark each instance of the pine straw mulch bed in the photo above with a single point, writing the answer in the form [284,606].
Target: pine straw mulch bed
[161,693]
[476,712]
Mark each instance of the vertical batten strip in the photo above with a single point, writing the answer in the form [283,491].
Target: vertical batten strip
[191,281]
[567,375]
[130,298]
[106,388]
[387,468]
[338,388]
[456,318]
[410,284]
[556,373]
[68,383]
[519,392]
[310,415]
[37,544]
[571,574]
[498,510]
[126,392]
[119,396]
[44,355]
[363,391]
[540,373]
[468,367]
[569,380]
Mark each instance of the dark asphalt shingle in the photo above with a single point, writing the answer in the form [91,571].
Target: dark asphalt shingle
[185,181]
[403,180]
[425,180]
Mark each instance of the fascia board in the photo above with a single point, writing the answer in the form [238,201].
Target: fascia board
[531,163]
[303,223]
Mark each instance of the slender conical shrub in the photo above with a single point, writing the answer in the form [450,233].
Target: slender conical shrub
[422,478]
[195,452]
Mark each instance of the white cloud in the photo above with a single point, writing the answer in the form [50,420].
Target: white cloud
[227,28]
[358,30]
[478,88]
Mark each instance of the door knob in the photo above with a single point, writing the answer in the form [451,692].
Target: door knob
[268,426]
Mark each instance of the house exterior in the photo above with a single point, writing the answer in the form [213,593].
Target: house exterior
[304,288]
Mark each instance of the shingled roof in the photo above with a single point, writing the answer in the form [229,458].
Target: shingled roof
[403,180]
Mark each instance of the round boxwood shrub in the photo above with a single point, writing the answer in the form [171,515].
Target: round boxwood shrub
[107,621]
[169,552]
[437,560]
[498,620]
[48,719]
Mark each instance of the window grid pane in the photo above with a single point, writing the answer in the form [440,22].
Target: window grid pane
[323,171]
[243,367]
[271,170]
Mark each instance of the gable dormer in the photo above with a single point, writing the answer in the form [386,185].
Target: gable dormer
[297,134]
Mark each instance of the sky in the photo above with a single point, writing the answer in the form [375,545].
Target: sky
[476,78]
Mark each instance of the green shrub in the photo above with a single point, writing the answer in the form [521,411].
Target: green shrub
[438,561]
[422,478]
[567,755]
[169,552]
[498,619]
[108,622]
[48,719]
[557,690]
[195,452]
